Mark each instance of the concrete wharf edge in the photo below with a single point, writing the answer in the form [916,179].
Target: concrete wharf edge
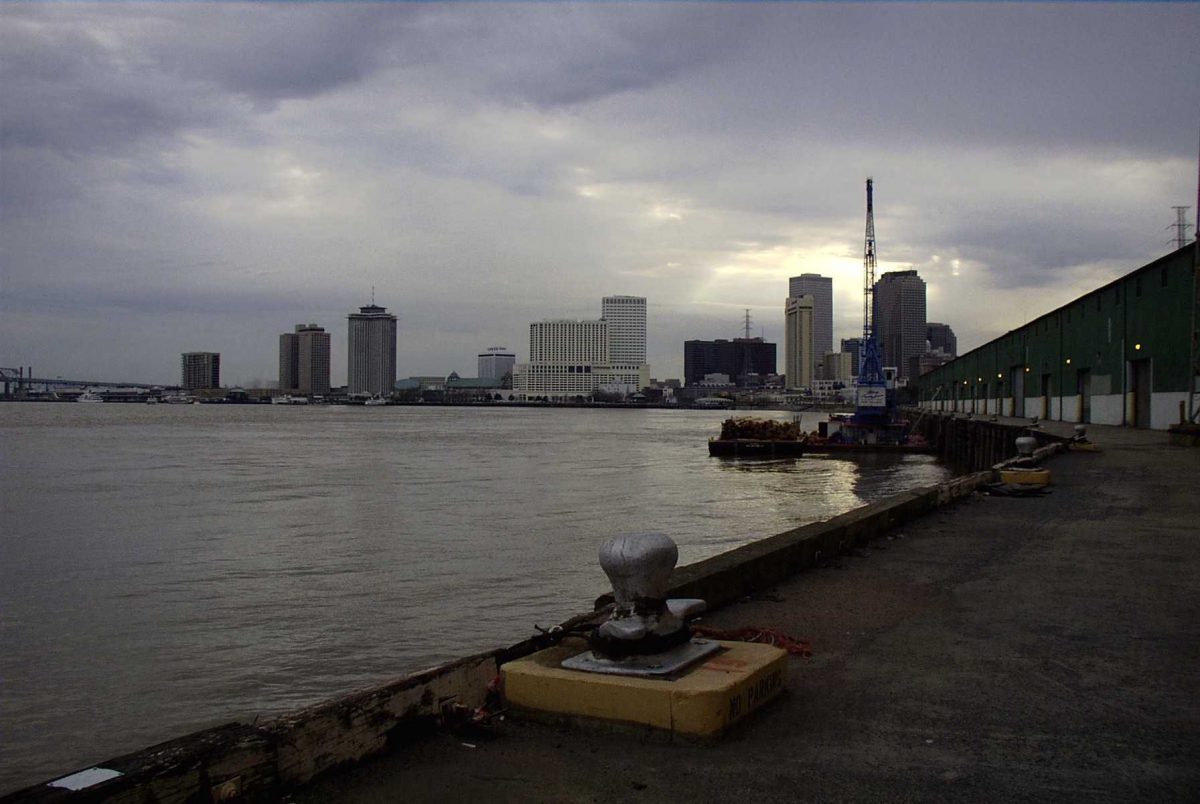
[264,761]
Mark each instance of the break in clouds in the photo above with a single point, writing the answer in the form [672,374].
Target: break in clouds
[203,176]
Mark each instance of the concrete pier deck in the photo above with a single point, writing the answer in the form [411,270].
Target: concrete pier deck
[1001,649]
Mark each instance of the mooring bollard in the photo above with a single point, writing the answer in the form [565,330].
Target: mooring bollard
[1024,469]
[643,665]
[644,623]
[1079,442]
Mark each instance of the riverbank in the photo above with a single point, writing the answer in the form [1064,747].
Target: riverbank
[1004,649]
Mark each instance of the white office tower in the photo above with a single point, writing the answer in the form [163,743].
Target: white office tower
[563,358]
[372,351]
[569,358]
[496,362]
[798,341]
[626,317]
[821,289]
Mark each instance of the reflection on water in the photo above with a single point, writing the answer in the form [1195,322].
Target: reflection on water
[164,568]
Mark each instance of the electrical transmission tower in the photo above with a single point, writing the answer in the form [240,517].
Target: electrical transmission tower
[746,326]
[1180,226]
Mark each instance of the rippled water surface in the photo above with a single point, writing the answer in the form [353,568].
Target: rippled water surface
[166,568]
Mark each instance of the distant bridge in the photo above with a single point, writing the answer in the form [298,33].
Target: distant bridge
[23,379]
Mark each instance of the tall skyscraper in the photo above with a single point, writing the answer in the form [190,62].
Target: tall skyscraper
[941,336]
[853,347]
[200,370]
[900,318]
[289,361]
[371,367]
[798,341]
[626,317]
[821,289]
[304,360]
[496,362]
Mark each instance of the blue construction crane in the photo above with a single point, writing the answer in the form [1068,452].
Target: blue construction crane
[871,402]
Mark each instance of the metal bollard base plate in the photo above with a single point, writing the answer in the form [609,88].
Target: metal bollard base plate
[666,663]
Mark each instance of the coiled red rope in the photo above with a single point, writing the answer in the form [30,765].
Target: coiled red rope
[757,633]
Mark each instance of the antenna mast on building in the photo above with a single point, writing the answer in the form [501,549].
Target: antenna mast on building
[746,325]
[1180,226]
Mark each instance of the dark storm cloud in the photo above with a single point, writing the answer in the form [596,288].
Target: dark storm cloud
[597,51]
[277,51]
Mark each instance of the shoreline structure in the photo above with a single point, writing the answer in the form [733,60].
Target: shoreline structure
[263,761]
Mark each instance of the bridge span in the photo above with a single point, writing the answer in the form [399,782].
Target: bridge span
[21,379]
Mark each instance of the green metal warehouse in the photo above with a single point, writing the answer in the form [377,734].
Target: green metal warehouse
[1119,355]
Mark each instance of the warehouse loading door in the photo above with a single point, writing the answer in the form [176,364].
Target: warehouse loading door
[1017,383]
[1083,382]
[1140,377]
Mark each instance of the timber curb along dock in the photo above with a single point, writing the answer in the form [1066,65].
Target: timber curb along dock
[265,761]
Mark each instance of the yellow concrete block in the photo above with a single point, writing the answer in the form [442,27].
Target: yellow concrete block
[1025,477]
[704,701]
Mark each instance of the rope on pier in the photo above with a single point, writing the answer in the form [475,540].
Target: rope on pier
[758,633]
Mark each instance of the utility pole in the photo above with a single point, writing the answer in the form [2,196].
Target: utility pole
[1193,410]
[1180,226]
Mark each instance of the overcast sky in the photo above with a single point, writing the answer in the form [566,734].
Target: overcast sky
[179,177]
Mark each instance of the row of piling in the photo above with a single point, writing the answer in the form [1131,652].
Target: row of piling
[973,445]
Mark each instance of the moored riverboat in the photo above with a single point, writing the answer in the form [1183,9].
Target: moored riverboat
[764,438]
[755,448]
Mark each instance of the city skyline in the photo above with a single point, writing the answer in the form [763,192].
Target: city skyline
[482,164]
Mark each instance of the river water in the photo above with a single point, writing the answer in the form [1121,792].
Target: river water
[167,568]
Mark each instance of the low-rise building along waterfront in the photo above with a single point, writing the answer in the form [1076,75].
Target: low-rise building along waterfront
[1119,355]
